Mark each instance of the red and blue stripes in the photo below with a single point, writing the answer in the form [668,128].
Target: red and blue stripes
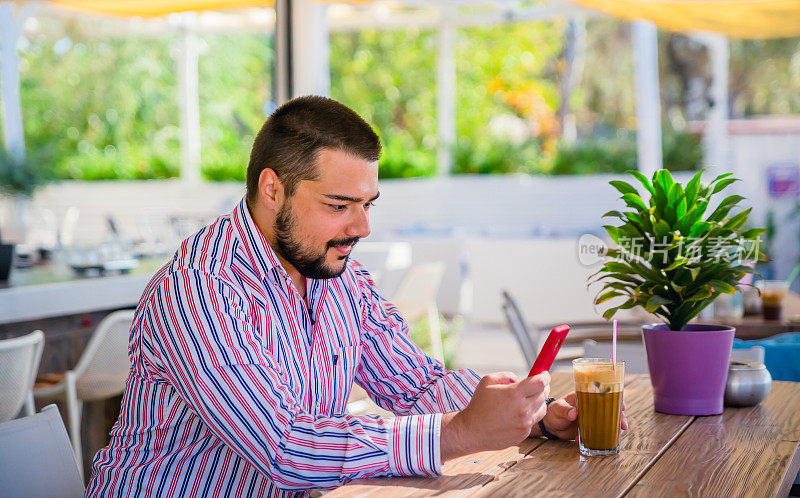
[234,389]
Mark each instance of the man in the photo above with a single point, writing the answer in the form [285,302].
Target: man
[245,346]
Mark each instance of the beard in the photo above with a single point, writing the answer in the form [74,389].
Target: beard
[310,263]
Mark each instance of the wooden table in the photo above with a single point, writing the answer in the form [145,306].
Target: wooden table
[743,452]
[755,327]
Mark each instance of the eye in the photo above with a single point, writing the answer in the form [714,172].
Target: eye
[369,205]
[338,207]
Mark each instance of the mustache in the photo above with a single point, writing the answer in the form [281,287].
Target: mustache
[343,242]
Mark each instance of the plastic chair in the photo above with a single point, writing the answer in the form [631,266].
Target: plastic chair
[36,458]
[416,297]
[100,373]
[530,344]
[632,352]
[19,362]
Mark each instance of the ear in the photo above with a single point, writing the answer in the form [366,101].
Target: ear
[270,190]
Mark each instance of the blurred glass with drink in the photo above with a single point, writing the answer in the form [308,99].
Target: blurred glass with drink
[773,294]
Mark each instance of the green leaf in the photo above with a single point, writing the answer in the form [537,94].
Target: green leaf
[720,177]
[618,267]
[738,220]
[662,180]
[680,210]
[724,183]
[656,302]
[635,202]
[642,179]
[686,222]
[662,230]
[675,193]
[704,293]
[720,286]
[699,229]
[693,187]
[623,187]
[612,232]
[679,261]
[613,213]
[630,303]
[724,207]
[640,222]
[606,296]
[753,233]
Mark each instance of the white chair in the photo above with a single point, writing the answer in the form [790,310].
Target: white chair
[36,458]
[416,297]
[100,373]
[632,352]
[19,362]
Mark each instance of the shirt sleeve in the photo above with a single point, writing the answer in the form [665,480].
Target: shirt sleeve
[201,340]
[395,372]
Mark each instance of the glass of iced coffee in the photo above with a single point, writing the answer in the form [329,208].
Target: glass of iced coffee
[598,387]
[773,293]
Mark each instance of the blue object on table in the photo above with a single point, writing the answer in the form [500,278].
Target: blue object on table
[781,354]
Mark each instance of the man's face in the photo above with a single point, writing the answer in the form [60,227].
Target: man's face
[317,227]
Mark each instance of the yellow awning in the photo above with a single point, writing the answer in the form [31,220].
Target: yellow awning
[152,8]
[735,18]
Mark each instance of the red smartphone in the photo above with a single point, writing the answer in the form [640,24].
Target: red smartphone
[550,349]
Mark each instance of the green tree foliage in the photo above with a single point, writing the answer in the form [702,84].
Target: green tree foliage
[235,75]
[108,108]
[389,77]
[507,71]
[104,109]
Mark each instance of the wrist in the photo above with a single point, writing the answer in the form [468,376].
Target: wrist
[542,429]
[452,443]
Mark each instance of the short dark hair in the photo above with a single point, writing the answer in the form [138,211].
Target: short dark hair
[291,139]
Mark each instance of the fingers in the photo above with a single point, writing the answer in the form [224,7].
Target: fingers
[499,378]
[540,413]
[534,386]
[563,409]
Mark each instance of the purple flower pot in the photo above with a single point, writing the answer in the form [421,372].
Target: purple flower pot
[688,368]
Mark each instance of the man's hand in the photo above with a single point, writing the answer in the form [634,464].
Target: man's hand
[501,414]
[562,418]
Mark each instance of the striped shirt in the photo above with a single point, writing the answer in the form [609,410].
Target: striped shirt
[238,388]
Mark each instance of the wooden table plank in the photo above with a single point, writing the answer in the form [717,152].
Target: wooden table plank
[556,468]
[743,452]
[460,476]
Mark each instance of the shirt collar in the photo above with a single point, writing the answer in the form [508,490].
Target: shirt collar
[263,257]
[256,247]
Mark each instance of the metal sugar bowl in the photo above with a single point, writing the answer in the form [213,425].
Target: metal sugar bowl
[748,384]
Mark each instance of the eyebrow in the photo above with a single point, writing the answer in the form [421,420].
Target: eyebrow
[348,198]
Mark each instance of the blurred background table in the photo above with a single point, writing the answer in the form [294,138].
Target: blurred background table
[67,308]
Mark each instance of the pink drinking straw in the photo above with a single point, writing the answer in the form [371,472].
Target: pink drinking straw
[614,346]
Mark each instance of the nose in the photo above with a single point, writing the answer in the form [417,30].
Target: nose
[359,224]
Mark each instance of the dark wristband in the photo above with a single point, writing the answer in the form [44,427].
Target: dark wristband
[545,432]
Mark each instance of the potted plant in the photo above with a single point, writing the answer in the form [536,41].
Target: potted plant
[18,180]
[673,259]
